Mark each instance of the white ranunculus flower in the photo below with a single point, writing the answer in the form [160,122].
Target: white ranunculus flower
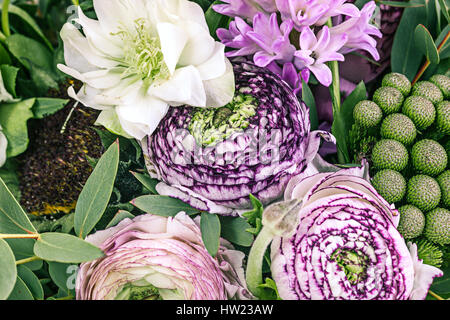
[140,57]
[3,145]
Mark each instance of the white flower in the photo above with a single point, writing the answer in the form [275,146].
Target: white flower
[3,145]
[141,56]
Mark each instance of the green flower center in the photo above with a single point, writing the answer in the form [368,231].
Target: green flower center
[353,264]
[210,126]
[133,292]
[142,53]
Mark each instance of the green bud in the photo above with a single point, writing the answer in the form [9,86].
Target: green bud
[398,81]
[420,110]
[428,157]
[367,114]
[429,253]
[437,226]
[443,83]
[399,127]
[443,117]
[389,99]
[423,192]
[389,154]
[412,221]
[390,185]
[427,90]
[444,182]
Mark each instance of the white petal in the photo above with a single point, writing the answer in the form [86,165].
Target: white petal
[216,65]
[113,14]
[103,79]
[173,39]
[109,119]
[71,72]
[3,146]
[220,91]
[200,46]
[78,45]
[141,117]
[87,96]
[184,87]
[193,12]
[103,41]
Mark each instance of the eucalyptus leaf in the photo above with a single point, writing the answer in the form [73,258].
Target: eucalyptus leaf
[210,228]
[13,119]
[162,205]
[120,215]
[425,43]
[445,10]
[23,249]
[8,269]
[20,291]
[65,248]
[31,281]
[61,274]
[13,220]
[147,182]
[96,193]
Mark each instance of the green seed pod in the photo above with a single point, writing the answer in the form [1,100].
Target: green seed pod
[399,127]
[420,110]
[423,192]
[444,182]
[389,99]
[437,226]
[443,117]
[443,83]
[428,157]
[389,154]
[427,90]
[398,81]
[390,185]
[412,221]
[367,114]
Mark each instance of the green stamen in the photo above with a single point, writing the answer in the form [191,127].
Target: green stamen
[210,126]
[353,264]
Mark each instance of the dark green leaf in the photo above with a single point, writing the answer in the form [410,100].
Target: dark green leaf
[162,205]
[31,281]
[215,20]
[270,291]
[23,249]
[4,55]
[20,291]
[444,52]
[235,231]
[425,44]
[47,106]
[9,74]
[13,220]
[210,228]
[121,215]
[445,10]
[310,102]
[146,181]
[26,49]
[254,217]
[96,193]
[404,55]
[400,4]
[42,78]
[11,179]
[343,120]
[13,119]
[8,269]
[65,248]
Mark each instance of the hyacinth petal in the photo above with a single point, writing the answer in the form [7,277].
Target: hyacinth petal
[322,73]
[308,39]
[184,87]
[173,40]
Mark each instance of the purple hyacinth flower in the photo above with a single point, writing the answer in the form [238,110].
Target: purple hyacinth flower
[236,37]
[360,32]
[273,39]
[289,73]
[316,51]
[237,8]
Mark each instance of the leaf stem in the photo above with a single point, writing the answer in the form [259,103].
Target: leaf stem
[75,2]
[20,236]
[5,18]
[438,297]
[254,276]
[427,63]
[30,259]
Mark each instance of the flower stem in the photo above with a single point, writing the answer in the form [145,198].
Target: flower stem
[76,2]
[22,261]
[254,277]
[438,297]
[5,18]
[20,236]
[335,89]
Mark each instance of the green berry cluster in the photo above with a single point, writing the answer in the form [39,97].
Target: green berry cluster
[409,126]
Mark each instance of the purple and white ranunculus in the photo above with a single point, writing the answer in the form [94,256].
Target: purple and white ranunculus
[152,257]
[346,245]
[214,158]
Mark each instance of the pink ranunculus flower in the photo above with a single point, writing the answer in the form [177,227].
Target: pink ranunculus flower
[153,257]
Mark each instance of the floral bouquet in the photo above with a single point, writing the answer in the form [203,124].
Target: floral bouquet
[225,150]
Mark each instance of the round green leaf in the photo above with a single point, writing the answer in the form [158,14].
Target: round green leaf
[8,269]
[31,281]
[425,43]
[65,248]
[210,228]
[20,291]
